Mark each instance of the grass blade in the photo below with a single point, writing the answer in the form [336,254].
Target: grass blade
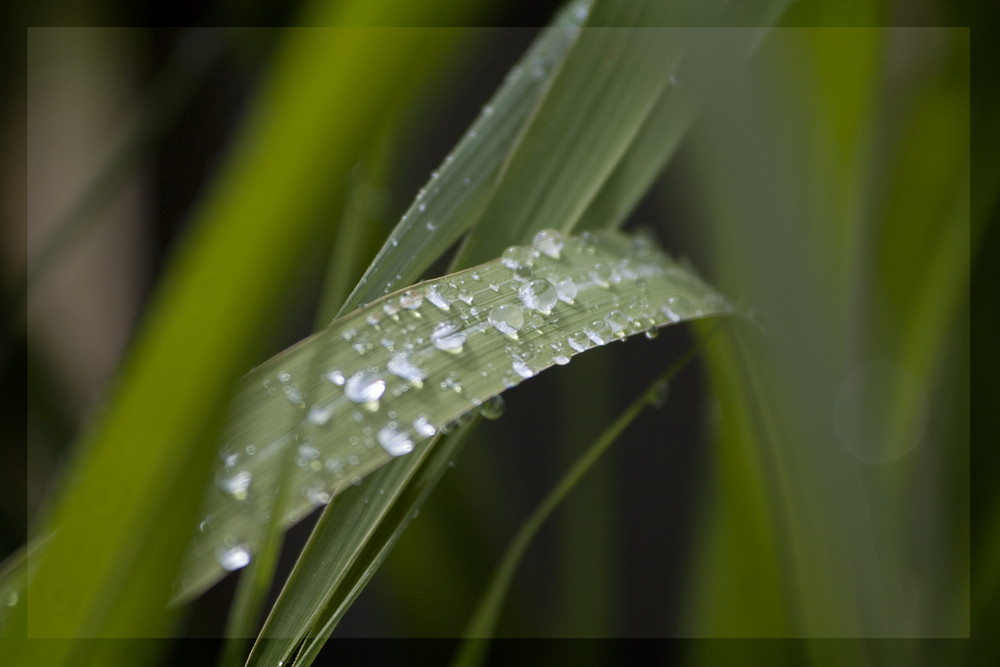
[482,623]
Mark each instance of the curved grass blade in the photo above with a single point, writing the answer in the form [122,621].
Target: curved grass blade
[397,371]
[533,308]
[483,620]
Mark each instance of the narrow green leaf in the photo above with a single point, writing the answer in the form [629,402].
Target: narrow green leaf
[482,623]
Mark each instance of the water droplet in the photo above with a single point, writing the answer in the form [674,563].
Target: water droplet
[12,599]
[320,414]
[523,273]
[431,225]
[237,485]
[395,442]
[293,395]
[466,296]
[422,207]
[601,274]
[364,387]
[516,257]
[579,341]
[507,319]
[539,295]
[447,337]
[438,295]
[390,308]
[522,368]
[567,290]
[336,377]
[284,377]
[548,242]
[493,407]
[652,332]
[561,359]
[423,426]
[233,558]
[676,308]
[317,494]
[487,111]
[618,321]
[400,365]
[599,331]
[308,453]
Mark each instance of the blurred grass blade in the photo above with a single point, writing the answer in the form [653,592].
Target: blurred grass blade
[496,325]
[482,623]
[125,516]
[385,377]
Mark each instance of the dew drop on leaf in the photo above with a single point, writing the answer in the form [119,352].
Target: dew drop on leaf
[538,295]
[233,558]
[548,242]
[493,407]
[364,387]
[507,318]
[395,442]
[447,337]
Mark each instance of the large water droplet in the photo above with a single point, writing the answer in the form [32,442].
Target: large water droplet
[618,321]
[493,407]
[507,319]
[516,257]
[364,387]
[676,308]
[567,290]
[400,365]
[394,441]
[446,336]
[539,295]
[549,242]
[233,558]
[601,274]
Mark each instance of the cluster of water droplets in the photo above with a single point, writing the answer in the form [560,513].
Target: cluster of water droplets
[428,358]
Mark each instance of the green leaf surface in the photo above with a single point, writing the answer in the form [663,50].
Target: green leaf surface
[383,378]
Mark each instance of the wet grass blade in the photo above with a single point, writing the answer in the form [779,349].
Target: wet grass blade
[383,378]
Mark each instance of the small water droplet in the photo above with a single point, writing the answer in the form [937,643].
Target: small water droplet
[336,377]
[522,369]
[438,295]
[320,414]
[507,319]
[618,321]
[599,331]
[548,242]
[487,111]
[393,441]
[431,225]
[561,359]
[364,387]
[401,365]
[233,558]
[493,407]
[652,332]
[284,377]
[579,341]
[601,274]
[12,599]
[317,494]
[237,485]
[539,295]
[677,308]
[423,426]
[447,337]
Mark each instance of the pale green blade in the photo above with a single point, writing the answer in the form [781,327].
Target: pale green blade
[382,379]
